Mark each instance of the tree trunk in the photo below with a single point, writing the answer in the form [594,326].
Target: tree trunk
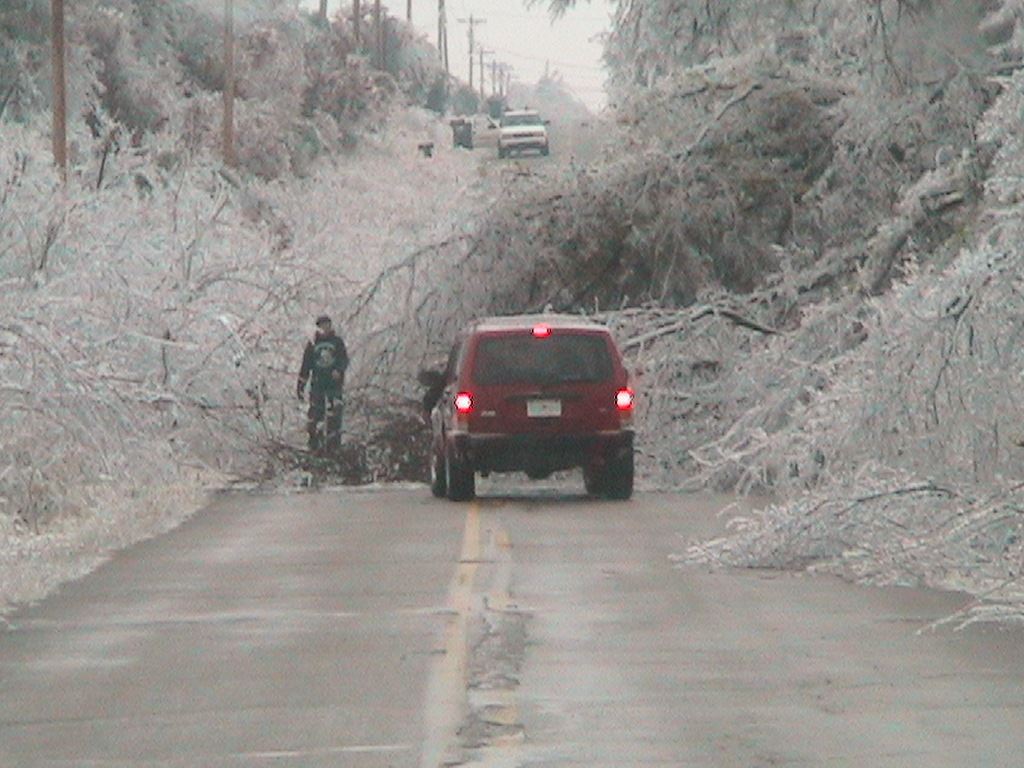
[60,153]
[228,126]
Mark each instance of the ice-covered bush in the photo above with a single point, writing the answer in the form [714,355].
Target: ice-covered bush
[917,428]
[151,329]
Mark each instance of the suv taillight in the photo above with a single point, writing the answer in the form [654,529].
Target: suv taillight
[464,403]
[624,399]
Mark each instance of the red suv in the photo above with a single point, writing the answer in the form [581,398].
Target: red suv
[536,394]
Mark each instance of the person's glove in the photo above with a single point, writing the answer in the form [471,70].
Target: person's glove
[300,391]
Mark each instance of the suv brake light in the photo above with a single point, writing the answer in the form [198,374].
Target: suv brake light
[464,403]
[541,331]
[624,399]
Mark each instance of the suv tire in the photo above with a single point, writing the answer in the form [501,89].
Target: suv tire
[459,478]
[438,481]
[592,481]
[618,482]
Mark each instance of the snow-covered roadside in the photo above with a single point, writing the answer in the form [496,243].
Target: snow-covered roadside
[899,460]
[33,565]
[143,325]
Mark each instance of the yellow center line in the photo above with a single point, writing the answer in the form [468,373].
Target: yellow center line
[446,690]
[503,704]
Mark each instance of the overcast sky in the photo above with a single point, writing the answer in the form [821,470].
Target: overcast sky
[526,39]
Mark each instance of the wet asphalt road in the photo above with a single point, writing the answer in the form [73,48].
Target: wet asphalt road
[530,628]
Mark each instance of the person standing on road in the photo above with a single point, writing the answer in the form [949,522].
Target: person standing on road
[323,366]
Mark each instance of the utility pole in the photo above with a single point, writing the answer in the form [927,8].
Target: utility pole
[482,78]
[494,77]
[472,21]
[323,9]
[357,20]
[228,125]
[442,35]
[60,130]
[378,36]
[408,11]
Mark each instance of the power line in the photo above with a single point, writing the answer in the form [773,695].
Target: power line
[567,64]
[559,21]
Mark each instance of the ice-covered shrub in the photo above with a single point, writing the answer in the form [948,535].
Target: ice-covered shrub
[916,428]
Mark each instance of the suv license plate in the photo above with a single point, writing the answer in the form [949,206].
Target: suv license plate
[543,409]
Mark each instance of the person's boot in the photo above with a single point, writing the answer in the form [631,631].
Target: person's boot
[334,436]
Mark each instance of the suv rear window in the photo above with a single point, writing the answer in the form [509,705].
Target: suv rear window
[554,360]
[521,119]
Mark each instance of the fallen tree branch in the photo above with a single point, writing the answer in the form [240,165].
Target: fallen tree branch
[913,489]
[734,101]
[7,97]
[934,194]
[736,318]
[689,317]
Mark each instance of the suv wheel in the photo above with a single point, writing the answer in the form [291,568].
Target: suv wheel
[438,481]
[592,481]
[459,478]
[618,482]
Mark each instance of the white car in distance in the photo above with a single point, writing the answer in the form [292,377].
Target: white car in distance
[522,130]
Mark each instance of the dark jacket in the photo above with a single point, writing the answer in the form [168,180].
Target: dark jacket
[324,355]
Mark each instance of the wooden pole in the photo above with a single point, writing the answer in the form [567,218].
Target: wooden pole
[357,20]
[60,131]
[323,9]
[442,35]
[472,21]
[228,126]
[482,78]
[378,36]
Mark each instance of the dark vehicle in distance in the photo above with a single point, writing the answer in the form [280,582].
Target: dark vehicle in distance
[534,394]
[462,132]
